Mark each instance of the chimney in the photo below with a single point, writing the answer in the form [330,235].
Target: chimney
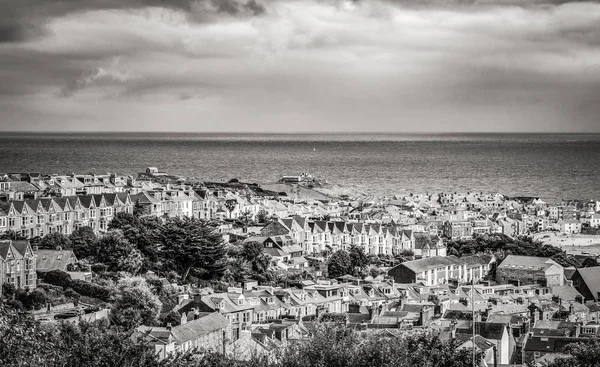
[196,314]
[34,248]
[169,326]
[184,319]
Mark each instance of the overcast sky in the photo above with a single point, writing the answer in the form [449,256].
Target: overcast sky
[300,65]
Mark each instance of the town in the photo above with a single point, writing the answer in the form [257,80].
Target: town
[240,270]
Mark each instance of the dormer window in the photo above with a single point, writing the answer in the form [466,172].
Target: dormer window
[240,301]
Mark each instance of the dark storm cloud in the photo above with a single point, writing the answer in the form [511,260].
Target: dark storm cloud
[22,19]
[391,65]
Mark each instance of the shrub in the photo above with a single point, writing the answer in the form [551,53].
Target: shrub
[56,277]
[17,305]
[36,299]
[92,290]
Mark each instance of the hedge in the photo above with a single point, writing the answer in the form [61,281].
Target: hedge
[93,290]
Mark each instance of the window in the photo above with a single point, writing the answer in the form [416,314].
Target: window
[11,222]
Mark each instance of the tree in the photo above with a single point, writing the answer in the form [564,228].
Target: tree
[262,216]
[358,258]
[252,252]
[331,345]
[580,355]
[190,245]
[83,240]
[117,253]
[246,218]
[339,264]
[24,341]
[57,277]
[54,241]
[12,235]
[98,345]
[35,299]
[139,231]
[238,269]
[230,204]
[135,304]
[589,262]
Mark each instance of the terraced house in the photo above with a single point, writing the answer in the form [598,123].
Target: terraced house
[317,236]
[39,217]
[17,264]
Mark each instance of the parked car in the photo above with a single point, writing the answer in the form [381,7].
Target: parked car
[66,315]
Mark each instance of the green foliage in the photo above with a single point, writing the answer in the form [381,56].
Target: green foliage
[262,216]
[333,346]
[230,204]
[56,277]
[581,355]
[502,245]
[238,269]
[12,235]
[143,232]
[55,240]
[135,304]
[589,262]
[35,299]
[83,241]
[190,245]
[259,261]
[93,290]
[340,264]
[115,251]
[25,342]
[9,290]
[358,258]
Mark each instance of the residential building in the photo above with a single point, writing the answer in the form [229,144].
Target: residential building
[205,332]
[530,270]
[17,264]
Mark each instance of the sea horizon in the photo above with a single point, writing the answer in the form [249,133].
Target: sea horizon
[550,166]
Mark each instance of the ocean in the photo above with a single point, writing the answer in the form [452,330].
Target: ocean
[551,166]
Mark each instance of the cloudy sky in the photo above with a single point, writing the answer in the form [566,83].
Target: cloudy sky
[300,65]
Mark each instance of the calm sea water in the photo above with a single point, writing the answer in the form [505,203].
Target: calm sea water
[550,166]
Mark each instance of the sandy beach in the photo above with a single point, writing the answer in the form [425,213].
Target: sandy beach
[572,243]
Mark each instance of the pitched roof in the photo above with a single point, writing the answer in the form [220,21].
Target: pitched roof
[5,247]
[424,240]
[202,326]
[275,229]
[21,246]
[54,259]
[591,277]
[488,330]
[527,262]
[425,264]
[550,344]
